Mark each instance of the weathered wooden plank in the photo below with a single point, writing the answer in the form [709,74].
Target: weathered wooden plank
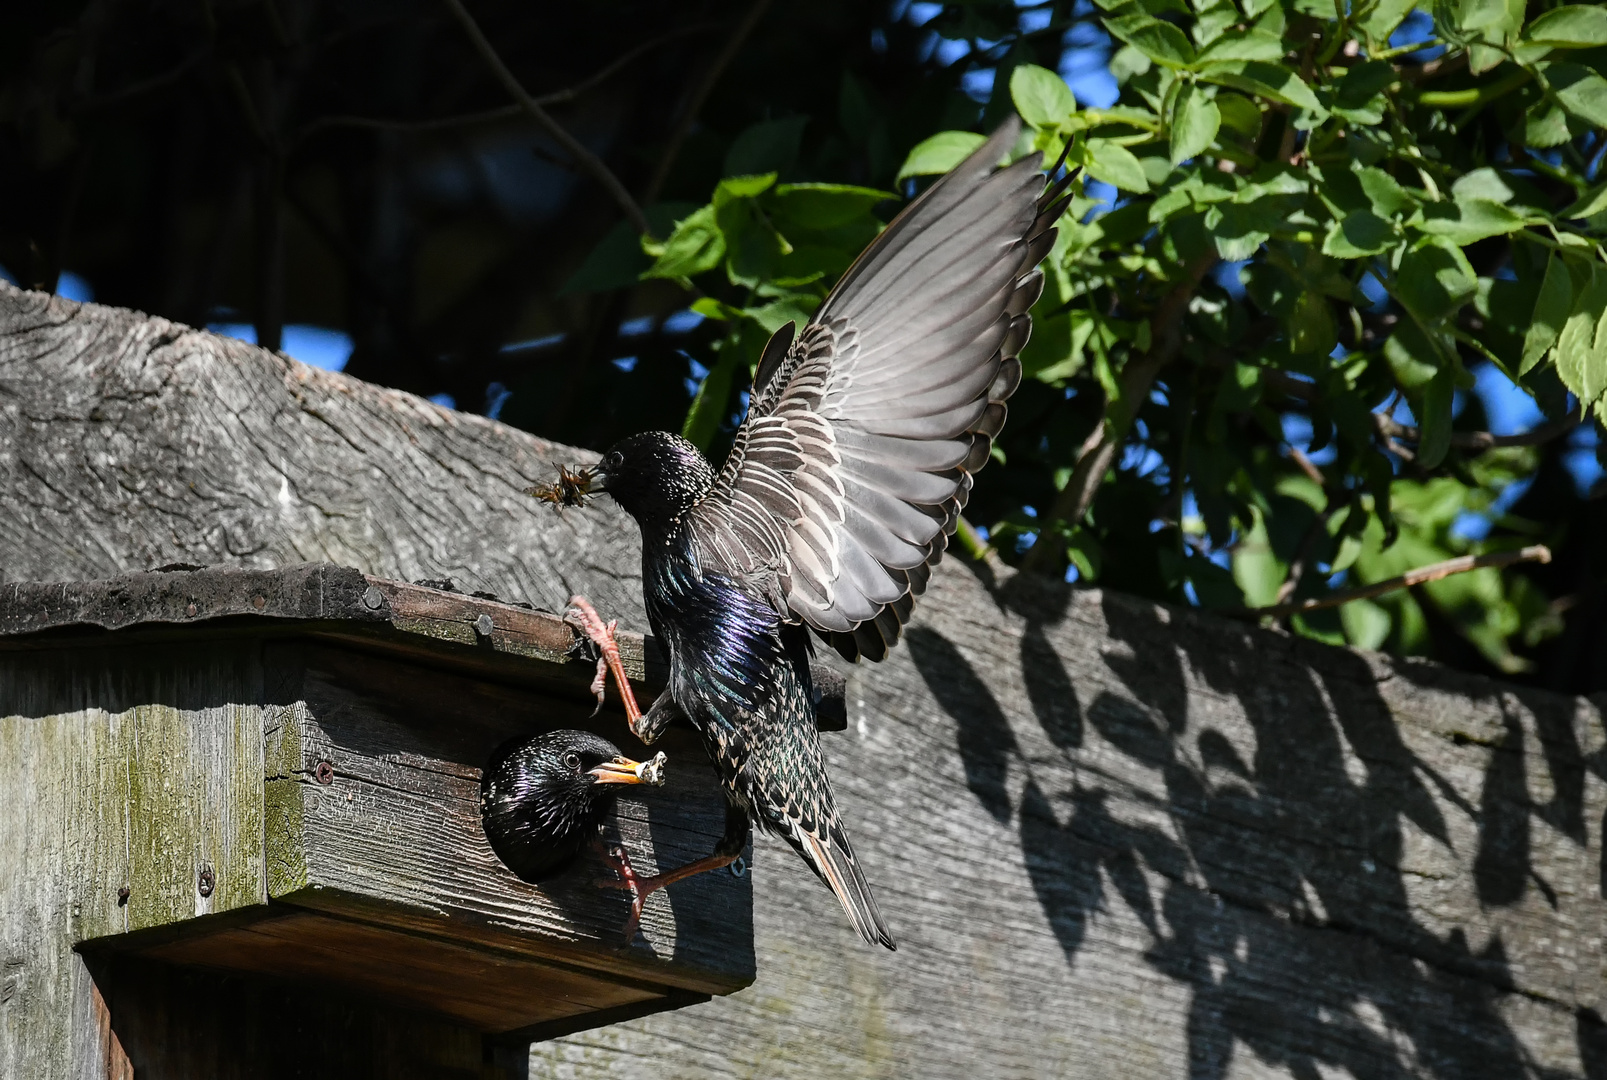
[138,788]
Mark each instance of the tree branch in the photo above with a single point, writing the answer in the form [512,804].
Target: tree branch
[505,112]
[1479,440]
[584,157]
[1097,454]
[1422,575]
[700,94]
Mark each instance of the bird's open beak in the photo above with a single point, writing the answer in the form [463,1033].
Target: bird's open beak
[623,770]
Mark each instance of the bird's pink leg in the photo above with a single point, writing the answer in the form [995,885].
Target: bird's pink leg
[641,887]
[584,617]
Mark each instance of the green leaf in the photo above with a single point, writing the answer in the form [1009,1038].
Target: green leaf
[1357,235]
[1590,203]
[1270,81]
[1435,279]
[1041,96]
[1160,41]
[1366,624]
[796,308]
[1234,230]
[1581,91]
[771,146]
[940,153]
[1551,309]
[1054,352]
[1485,183]
[710,308]
[1434,433]
[1256,569]
[1195,121]
[1576,26]
[742,187]
[1248,46]
[1387,196]
[823,206]
[618,260]
[1240,116]
[1469,221]
[1480,14]
[1113,163]
[1311,327]
[1582,345]
[696,245]
[1545,124]
[1386,16]
[1413,357]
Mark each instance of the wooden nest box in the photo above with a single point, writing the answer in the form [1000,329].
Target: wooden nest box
[242,824]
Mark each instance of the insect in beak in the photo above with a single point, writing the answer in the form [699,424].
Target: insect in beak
[572,488]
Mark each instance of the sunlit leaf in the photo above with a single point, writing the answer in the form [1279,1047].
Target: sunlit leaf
[1582,344]
[1195,121]
[1041,96]
[1574,26]
[1116,165]
[1551,310]
[940,153]
[1270,81]
[696,245]
[1160,41]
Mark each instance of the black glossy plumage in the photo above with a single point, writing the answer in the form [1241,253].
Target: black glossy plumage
[541,800]
[845,480]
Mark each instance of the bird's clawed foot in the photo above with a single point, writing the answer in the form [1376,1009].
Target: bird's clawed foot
[583,617]
[641,888]
[630,881]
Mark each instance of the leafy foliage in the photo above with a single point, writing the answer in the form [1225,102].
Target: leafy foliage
[1285,223]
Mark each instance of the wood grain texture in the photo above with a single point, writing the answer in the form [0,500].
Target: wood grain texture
[1112,839]
[129,443]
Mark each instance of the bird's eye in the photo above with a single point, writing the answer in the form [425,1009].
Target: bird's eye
[572,761]
[614,460]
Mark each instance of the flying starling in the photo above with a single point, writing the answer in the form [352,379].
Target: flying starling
[847,477]
[543,798]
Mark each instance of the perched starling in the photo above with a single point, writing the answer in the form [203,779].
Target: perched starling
[542,798]
[846,479]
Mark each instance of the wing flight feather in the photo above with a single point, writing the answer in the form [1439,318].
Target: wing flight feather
[865,428]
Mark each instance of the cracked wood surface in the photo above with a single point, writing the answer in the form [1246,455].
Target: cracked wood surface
[1112,839]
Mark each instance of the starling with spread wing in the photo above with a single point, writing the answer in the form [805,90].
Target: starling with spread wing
[847,477]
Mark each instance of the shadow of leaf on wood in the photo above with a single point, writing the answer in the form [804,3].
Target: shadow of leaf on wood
[1274,886]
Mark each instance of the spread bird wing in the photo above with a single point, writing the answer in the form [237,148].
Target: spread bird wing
[864,431]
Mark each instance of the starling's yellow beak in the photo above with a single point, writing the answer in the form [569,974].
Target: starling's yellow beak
[622,770]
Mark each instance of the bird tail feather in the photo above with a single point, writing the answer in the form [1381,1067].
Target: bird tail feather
[832,858]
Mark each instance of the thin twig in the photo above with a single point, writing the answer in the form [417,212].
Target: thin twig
[700,93]
[584,157]
[1421,576]
[1479,440]
[505,112]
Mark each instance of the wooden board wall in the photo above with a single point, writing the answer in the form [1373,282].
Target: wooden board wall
[1112,839]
